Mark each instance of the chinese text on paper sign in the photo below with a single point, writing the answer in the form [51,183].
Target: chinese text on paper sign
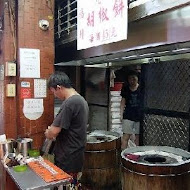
[101,22]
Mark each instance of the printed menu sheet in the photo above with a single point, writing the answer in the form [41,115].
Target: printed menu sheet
[40,88]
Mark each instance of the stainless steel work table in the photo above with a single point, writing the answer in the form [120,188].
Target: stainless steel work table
[29,180]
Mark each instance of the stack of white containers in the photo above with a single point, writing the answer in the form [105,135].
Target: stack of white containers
[115,121]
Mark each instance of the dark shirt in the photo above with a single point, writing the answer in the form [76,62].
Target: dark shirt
[132,106]
[70,142]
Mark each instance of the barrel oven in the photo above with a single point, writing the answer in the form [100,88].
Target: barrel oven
[102,161]
[154,167]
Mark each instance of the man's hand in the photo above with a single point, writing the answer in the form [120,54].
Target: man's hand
[52,132]
[47,134]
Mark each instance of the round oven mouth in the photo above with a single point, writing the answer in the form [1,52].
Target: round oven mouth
[155,159]
[101,138]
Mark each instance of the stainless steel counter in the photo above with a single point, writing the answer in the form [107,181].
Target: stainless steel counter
[29,180]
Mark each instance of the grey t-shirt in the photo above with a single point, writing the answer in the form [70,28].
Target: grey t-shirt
[70,142]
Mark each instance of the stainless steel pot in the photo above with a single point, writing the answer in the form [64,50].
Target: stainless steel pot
[23,145]
[6,148]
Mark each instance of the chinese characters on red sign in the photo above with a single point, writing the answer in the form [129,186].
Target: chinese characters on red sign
[101,22]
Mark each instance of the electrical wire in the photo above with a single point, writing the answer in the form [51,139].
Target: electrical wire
[13,26]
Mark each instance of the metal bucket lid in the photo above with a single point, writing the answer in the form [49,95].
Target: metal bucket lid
[24,140]
[7,141]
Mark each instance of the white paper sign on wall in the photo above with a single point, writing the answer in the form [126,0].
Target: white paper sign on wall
[33,108]
[101,22]
[29,63]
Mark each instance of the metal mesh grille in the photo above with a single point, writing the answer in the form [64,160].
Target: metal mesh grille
[167,90]
[166,131]
[65,18]
[167,86]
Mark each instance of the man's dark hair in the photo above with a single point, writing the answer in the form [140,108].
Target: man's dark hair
[132,73]
[59,78]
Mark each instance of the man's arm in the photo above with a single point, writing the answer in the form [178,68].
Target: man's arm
[52,132]
[122,106]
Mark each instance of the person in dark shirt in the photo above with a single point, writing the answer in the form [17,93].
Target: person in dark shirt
[130,109]
[69,126]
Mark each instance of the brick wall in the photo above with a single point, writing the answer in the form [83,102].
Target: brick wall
[29,35]
[7,105]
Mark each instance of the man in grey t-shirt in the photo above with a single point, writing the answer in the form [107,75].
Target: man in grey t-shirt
[69,126]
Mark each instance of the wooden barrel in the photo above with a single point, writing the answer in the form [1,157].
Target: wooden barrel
[159,168]
[102,161]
